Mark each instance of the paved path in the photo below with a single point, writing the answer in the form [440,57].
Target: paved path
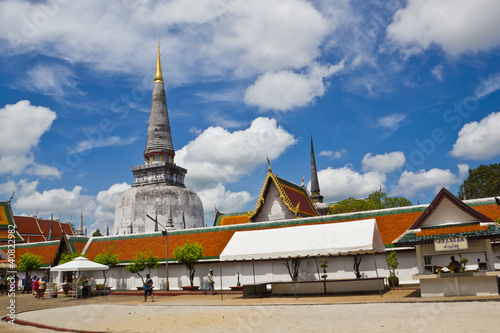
[401,310]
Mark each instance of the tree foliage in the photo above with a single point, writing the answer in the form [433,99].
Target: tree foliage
[482,182]
[67,257]
[29,262]
[107,258]
[141,261]
[97,233]
[376,200]
[188,254]
[393,263]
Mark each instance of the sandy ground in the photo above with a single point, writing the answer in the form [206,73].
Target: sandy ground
[393,312]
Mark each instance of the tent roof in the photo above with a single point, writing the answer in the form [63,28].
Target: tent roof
[79,264]
[305,241]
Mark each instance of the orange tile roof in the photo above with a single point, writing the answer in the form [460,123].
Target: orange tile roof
[452,230]
[46,250]
[56,228]
[234,219]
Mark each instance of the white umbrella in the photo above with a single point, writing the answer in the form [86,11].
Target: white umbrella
[80,264]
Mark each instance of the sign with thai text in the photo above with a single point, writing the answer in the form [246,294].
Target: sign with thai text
[450,244]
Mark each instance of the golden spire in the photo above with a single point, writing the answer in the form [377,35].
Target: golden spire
[158,75]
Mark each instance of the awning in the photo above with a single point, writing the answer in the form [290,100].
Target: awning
[80,264]
[7,265]
[328,239]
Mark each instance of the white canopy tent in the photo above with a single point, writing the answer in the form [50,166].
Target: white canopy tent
[79,264]
[305,241]
[329,239]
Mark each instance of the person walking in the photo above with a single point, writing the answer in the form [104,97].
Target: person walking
[148,288]
[211,282]
[35,286]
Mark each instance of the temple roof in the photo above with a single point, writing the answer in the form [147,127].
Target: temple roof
[7,224]
[294,197]
[159,139]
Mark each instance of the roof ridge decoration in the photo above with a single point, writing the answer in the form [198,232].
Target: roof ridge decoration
[283,196]
[444,193]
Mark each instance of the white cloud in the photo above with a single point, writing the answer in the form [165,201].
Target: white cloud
[16,156]
[7,189]
[13,125]
[388,162]
[457,26]
[437,72]
[488,86]
[341,183]
[105,212]
[218,155]
[269,35]
[391,122]
[334,154]
[103,142]
[415,183]
[246,38]
[225,201]
[55,201]
[285,90]
[48,80]
[479,140]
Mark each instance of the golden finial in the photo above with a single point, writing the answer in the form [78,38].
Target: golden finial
[158,75]
[268,164]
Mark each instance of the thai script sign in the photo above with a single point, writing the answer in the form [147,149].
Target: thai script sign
[450,244]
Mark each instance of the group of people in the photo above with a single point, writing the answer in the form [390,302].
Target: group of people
[35,285]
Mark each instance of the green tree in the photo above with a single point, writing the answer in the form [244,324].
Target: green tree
[376,200]
[141,261]
[97,233]
[482,182]
[188,254]
[107,258]
[67,257]
[29,262]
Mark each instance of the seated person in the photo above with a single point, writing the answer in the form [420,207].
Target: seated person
[455,263]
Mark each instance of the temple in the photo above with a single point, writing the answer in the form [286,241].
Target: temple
[158,188]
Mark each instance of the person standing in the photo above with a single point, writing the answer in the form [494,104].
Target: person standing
[211,282]
[42,285]
[148,288]
[35,286]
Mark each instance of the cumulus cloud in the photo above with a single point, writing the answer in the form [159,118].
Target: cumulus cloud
[479,140]
[285,90]
[415,183]
[218,156]
[225,201]
[104,214]
[16,155]
[341,183]
[56,201]
[388,162]
[457,26]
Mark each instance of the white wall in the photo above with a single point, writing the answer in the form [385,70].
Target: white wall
[265,271]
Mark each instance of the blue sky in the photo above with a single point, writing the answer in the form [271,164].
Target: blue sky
[402,95]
